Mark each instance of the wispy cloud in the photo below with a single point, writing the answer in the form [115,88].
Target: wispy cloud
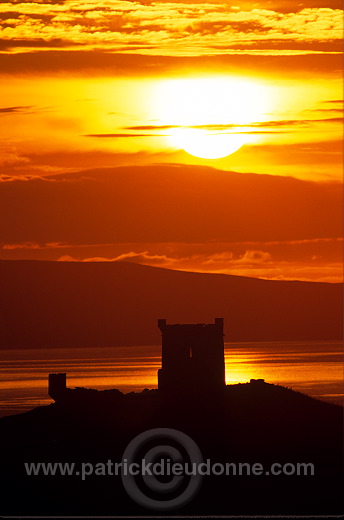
[309,259]
[260,124]
[121,135]
[334,101]
[15,110]
[33,245]
[264,127]
[251,263]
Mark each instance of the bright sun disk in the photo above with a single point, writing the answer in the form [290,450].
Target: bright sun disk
[196,105]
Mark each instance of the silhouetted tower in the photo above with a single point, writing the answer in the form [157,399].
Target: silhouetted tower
[192,357]
[57,385]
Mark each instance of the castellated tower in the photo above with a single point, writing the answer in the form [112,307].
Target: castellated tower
[192,357]
[57,385]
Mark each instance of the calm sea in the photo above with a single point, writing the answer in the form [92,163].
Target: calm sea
[314,368]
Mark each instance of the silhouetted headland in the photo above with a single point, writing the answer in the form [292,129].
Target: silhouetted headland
[251,422]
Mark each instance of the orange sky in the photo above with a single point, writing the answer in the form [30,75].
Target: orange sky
[138,96]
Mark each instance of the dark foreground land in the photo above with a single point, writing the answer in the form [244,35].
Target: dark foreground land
[254,422]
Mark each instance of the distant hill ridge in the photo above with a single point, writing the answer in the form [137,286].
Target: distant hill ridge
[88,304]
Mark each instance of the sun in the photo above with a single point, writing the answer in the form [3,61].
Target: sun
[206,144]
[210,117]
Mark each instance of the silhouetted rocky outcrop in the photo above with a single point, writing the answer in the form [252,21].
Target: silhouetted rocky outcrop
[253,422]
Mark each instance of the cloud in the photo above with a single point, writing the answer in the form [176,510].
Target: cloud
[139,258]
[304,159]
[93,62]
[280,123]
[23,245]
[150,127]
[116,205]
[182,249]
[14,110]
[250,257]
[336,101]
[252,263]
[255,128]
[169,28]
[33,245]
[326,110]
[11,157]
[317,259]
[120,135]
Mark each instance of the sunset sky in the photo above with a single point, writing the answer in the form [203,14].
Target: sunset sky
[202,136]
